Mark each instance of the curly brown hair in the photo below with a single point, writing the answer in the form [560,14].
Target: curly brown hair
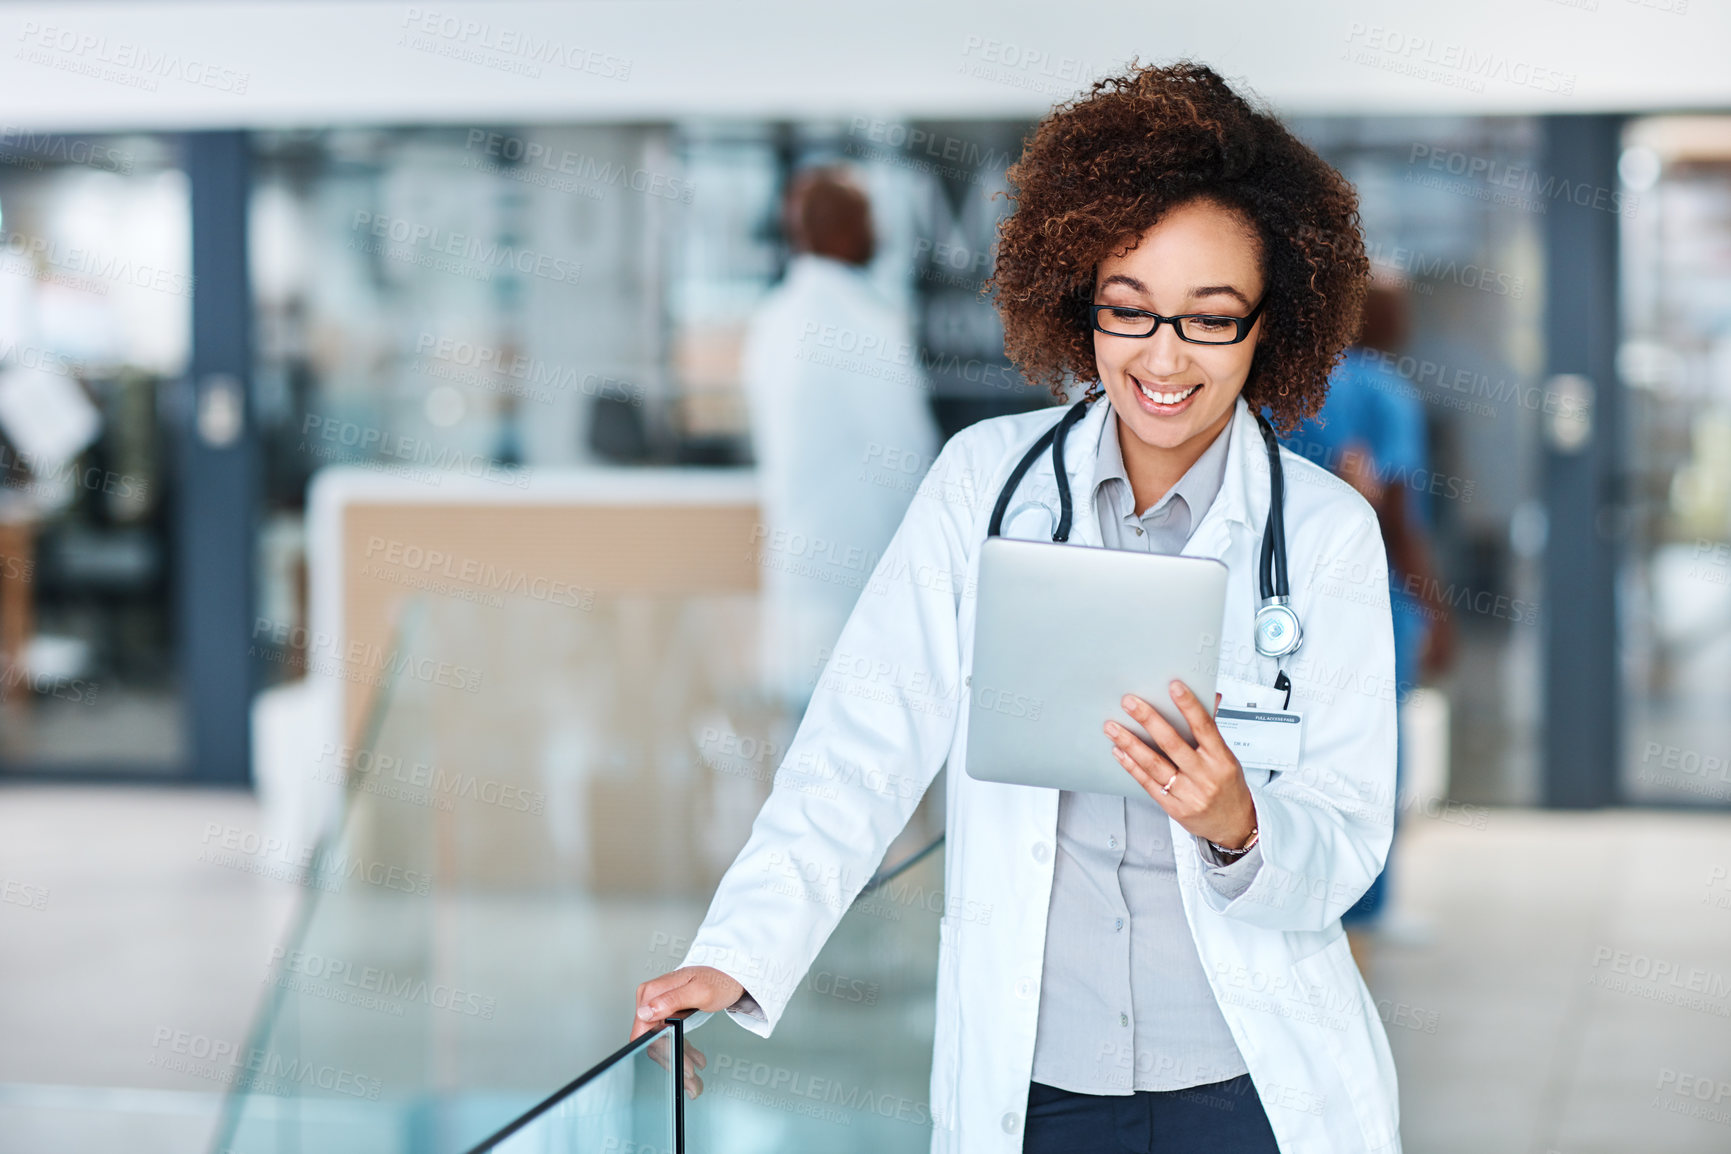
[1102,168]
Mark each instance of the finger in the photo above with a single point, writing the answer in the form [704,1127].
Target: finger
[693,1084]
[1202,725]
[667,994]
[1140,751]
[1156,788]
[696,1056]
[655,987]
[1167,739]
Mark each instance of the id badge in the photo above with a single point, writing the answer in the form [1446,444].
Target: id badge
[1262,738]
[1261,735]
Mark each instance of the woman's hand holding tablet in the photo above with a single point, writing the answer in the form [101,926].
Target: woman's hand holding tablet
[1201,787]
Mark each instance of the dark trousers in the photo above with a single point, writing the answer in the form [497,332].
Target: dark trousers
[1219,1118]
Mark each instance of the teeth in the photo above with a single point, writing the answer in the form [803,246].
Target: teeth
[1166,398]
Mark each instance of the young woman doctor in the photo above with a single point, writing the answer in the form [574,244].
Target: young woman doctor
[1162,973]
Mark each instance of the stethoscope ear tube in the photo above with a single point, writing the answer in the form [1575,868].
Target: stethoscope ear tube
[1274,582]
[1054,437]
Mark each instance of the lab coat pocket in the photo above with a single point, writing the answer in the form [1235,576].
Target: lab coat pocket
[1341,1012]
[946,1041]
[1236,693]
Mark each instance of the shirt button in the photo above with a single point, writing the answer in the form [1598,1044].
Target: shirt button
[1118,924]
[1111,843]
[1042,851]
[1123,1019]
[1011,1121]
[1138,530]
[1025,988]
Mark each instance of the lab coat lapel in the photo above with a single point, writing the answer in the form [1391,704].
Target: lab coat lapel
[1242,502]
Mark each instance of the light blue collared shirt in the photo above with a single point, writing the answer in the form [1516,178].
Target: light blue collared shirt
[1124,1002]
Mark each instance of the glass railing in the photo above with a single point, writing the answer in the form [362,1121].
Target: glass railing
[518,851]
[630,1103]
[344,1048]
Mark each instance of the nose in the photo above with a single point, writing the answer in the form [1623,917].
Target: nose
[1164,354]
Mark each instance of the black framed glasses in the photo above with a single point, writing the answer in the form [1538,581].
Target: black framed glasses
[1197,328]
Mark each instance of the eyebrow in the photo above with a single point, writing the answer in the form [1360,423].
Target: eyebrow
[1131,282]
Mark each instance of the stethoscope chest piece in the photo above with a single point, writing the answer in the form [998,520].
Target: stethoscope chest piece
[1277,630]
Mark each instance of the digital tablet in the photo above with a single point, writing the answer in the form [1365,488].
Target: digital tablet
[1062,632]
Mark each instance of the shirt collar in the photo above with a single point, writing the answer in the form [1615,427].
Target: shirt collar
[1243,496]
[1197,488]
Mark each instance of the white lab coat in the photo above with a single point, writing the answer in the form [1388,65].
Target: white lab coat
[842,430]
[887,715]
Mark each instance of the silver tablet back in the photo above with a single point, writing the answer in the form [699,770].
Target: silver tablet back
[1062,633]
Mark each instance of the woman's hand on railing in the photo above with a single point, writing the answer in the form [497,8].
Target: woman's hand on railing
[682,991]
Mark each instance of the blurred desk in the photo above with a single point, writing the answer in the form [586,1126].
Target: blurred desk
[574,633]
[375,537]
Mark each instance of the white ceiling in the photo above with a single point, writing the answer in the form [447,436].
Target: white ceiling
[74,65]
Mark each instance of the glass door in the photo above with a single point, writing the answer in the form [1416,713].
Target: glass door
[1675,358]
[95,296]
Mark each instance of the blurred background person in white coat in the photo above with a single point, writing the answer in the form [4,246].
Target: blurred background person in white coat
[841,426]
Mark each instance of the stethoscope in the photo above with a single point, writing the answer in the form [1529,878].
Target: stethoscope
[1278,632]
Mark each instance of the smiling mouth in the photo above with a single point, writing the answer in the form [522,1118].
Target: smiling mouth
[1161,398]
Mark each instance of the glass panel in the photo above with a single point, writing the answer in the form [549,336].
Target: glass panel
[848,1070]
[517,858]
[95,291]
[1675,360]
[629,1104]
[342,1057]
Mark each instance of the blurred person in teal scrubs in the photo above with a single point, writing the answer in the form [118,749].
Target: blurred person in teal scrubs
[1371,433]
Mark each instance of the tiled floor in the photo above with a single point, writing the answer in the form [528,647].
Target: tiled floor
[1518,1022]
[1517,979]
[135,936]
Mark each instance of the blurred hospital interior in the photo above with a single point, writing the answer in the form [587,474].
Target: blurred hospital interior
[416,550]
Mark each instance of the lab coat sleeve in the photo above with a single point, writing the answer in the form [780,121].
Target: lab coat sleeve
[1325,827]
[877,730]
